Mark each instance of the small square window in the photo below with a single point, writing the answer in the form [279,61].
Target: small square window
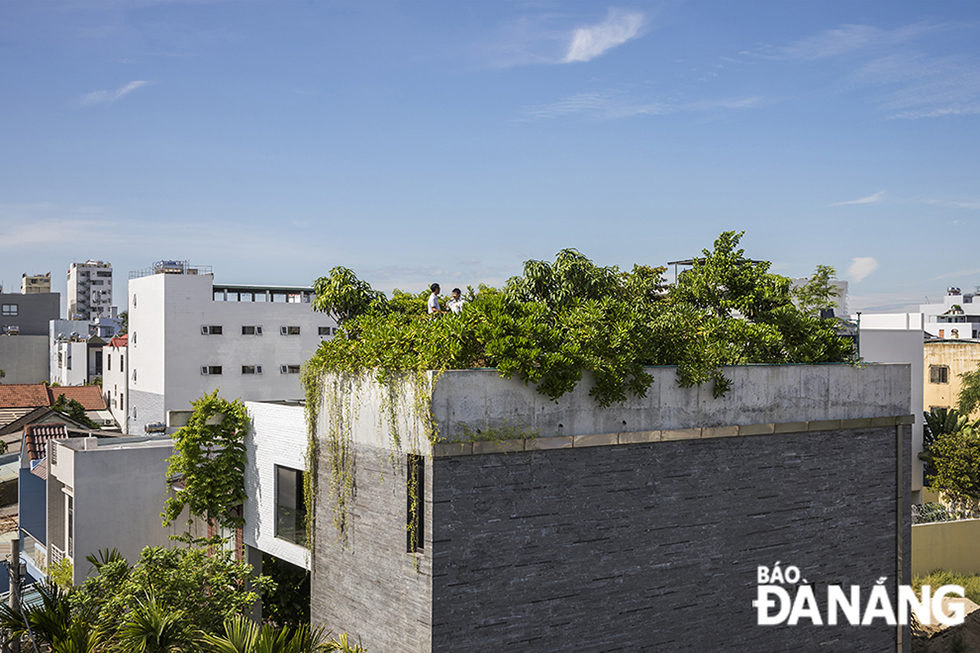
[210,369]
[251,331]
[9,310]
[289,330]
[323,331]
[251,369]
[938,374]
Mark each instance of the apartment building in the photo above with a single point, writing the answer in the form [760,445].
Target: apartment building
[189,336]
[35,284]
[90,290]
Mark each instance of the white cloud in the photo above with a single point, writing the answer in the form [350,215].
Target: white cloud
[611,105]
[587,43]
[861,267]
[870,199]
[108,97]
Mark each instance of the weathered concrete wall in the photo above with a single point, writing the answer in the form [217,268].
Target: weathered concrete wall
[373,588]
[760,394]
[655,546]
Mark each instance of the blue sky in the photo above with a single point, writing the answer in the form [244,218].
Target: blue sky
[451,141]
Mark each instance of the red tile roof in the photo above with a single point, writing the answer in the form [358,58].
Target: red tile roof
[23,395]
[89,396]
[36,436]
[41,470]
[120,341]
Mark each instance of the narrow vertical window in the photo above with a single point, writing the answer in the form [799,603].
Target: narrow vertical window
[71,526]
[415,513]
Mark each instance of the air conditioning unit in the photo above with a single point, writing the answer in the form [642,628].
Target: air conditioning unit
[284,369]
[283,331]
[204,368]
[258,331]
[258,369]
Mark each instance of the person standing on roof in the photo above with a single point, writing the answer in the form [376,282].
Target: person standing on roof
[434,307]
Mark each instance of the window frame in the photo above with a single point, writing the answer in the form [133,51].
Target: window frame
[282,531]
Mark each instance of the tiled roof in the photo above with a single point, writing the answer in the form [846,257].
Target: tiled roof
[41,470]
[36,436]
[120,341]
[11,415]
[24,395]
[89,396]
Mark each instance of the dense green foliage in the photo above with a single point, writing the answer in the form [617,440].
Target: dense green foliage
[561,320]
[73,410]
[288,603]
[969,398]
[936,423]
[209,461]
[956,459]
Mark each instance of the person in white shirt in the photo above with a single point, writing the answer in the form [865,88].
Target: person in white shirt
[434,307]
[456,302]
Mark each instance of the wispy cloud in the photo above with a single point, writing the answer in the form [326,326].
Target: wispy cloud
[959,273]
[590,42]
[870,199]
[611,105]
[548,39]
[861,267]
[925,86]
[974,206]
[847,39]
[108,97]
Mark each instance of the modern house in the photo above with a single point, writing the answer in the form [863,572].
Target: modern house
[956,316]
[189,336]
[90,290]
[545,525]
[80,494]
[945,361]
[114,379]
[32,284]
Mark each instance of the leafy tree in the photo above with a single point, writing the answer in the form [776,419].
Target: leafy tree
[956,457]
[74,410]
[561,320]
[176,593]
[124,320]
[209,460]
[937,423]
[818,293]
[2,374]
[345,296]
[288,604]
[969,397]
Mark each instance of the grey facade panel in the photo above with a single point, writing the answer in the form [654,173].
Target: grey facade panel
[149,410]
[656,546]
[34,312]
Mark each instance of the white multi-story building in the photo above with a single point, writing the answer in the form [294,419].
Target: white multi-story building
[189,336]
[89,290]
[114,380]
[957,316]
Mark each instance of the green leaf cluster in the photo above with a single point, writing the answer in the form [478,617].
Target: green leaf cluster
[209,462]
[956,458]
[563,319]
[74,410]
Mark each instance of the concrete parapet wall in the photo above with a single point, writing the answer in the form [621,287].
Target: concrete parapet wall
[760,394]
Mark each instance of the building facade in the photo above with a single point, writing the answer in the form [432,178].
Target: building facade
[945,362]
[557,526]
[28,315]
[90,290]
[32,284]
[189,337]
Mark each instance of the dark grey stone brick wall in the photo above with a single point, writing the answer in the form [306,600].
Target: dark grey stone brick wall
[373,588]
[654,547]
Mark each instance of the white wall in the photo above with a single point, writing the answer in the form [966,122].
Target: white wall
[277,437]
[114,384]
[899,338]
[119,490]
[167,348]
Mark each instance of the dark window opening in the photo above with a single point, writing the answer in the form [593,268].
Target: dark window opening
[415,513]
[290,506]
[938,374]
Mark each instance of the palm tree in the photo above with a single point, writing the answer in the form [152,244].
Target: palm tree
[244,636]
[149,628]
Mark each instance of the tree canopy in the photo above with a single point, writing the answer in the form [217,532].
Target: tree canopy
[562,319]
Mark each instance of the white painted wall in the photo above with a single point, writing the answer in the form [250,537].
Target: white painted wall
[114,384]
[900,338]
[70,363]
[119,489]
[167,348]
[277,437]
